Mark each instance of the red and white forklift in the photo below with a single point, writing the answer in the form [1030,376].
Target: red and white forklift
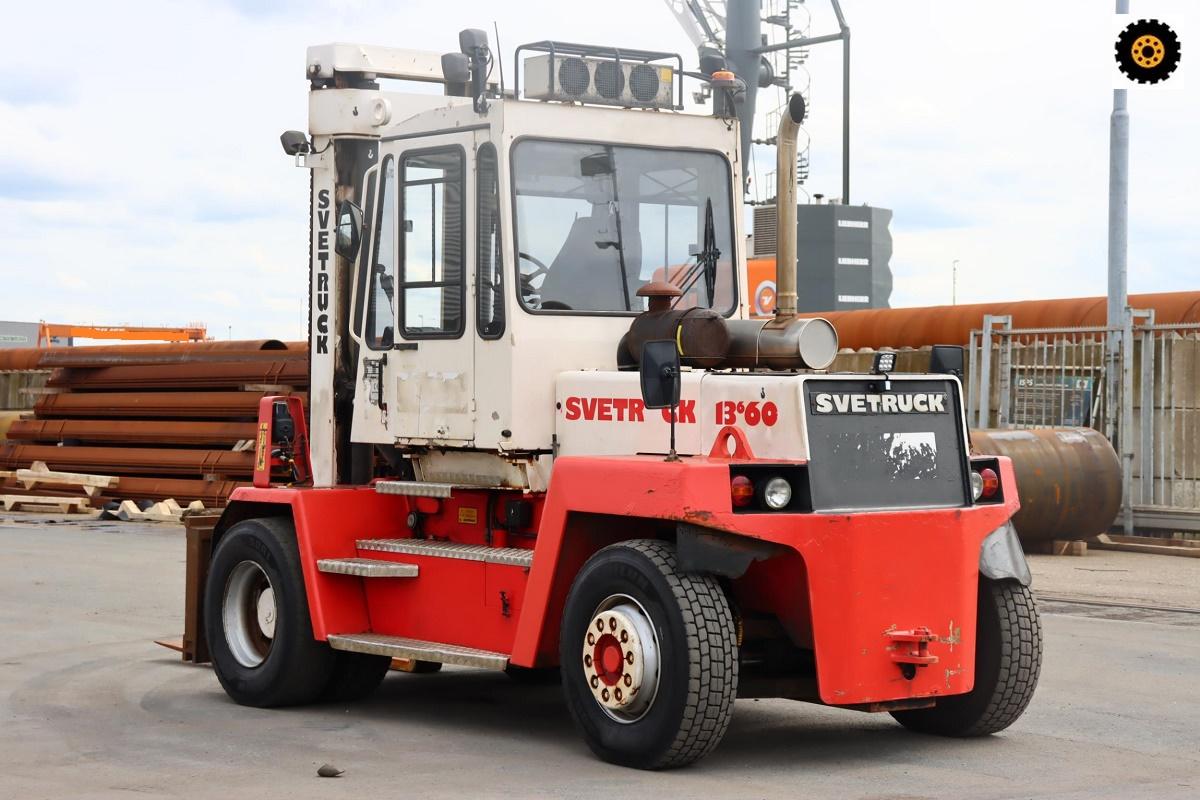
[544,435]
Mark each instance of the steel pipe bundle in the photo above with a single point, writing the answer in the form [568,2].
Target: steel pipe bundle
[164,419]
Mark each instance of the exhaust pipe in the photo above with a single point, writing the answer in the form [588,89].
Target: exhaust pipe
[785,208]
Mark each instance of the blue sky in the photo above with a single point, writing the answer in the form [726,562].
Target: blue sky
[141,180]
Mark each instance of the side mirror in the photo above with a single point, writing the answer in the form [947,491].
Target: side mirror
[294,143]
[349,229]
[946,359]
[660,374]
[456,68]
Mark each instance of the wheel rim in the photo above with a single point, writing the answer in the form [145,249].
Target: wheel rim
[621,658]
[249,614]
[1148,51]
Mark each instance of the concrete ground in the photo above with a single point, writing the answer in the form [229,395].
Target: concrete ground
[90,707]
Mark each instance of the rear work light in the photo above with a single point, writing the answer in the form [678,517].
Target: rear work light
[741,491]
[777,494]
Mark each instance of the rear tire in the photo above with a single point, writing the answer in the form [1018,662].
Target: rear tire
[257,621]
[666,638]
[1008,660]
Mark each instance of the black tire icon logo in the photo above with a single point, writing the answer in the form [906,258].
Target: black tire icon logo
[1148,51]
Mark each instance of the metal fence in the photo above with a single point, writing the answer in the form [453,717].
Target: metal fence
[1144,396]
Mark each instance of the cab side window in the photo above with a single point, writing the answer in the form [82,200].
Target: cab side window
[432,285]
[489,265]
[379,331]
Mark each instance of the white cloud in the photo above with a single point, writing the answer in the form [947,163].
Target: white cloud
[141,179]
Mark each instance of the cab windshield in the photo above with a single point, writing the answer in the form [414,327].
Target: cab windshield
[595,222]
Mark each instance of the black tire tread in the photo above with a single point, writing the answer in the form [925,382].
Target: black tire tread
[1020,661]
[712,654]
[295,686]
[1020,664]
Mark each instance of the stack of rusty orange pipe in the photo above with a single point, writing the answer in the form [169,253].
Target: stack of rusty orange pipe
[164,418]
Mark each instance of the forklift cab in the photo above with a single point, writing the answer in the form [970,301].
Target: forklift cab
[497,252]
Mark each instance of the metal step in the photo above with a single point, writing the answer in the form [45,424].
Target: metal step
[512,556]
[366,568]
[415,488]
[399,647]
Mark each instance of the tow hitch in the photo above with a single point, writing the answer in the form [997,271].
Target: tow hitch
[910,649]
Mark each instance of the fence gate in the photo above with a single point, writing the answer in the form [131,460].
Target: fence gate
[1146,401]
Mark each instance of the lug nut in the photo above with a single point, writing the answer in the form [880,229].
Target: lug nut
[595,682]
[629,657]
[587,661]
[591,638]
[628,681]
[604,694]
[617,692]
[624,636]
[612,623]
[600,625]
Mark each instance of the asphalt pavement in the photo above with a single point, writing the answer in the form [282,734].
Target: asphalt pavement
[90,707]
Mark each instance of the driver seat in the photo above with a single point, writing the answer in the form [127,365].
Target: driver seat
[586,273]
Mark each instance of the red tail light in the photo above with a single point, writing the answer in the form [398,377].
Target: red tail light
[741,491]
[991,483]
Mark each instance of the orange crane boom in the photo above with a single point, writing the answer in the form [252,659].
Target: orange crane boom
[48,332]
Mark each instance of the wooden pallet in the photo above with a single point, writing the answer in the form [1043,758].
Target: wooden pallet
[1154,545]
[29,502]
[39,474]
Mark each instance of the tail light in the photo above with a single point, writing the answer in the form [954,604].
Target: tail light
[741,491]
[991,483]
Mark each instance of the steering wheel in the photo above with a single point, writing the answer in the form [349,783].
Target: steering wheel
[528,290]
[540,268]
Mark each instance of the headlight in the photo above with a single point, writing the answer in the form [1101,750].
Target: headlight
[976,485]
[777,494]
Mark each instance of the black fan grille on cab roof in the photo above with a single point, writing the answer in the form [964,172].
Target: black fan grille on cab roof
[644,83]
[573,77]
[610,80]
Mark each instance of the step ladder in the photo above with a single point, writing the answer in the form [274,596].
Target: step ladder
[373,568]
[399,647]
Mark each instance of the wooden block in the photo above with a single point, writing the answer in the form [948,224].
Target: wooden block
[1058,547]
[1124,544]
[172,507]
[128,511]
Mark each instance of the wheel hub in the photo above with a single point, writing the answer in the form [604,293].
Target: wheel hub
[249,614]
[1148,51]
[620,658]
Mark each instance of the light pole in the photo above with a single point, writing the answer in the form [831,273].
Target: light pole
[954,283]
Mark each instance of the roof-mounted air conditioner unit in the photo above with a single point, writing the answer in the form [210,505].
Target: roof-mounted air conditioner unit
[604,81]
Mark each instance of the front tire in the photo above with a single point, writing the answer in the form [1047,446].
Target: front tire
[649,657]
[257,621]
[1008,660]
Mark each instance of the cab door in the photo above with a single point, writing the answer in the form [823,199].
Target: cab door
[428,378]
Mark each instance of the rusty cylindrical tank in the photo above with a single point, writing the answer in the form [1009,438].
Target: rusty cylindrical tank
[700,334]
[1068,479]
